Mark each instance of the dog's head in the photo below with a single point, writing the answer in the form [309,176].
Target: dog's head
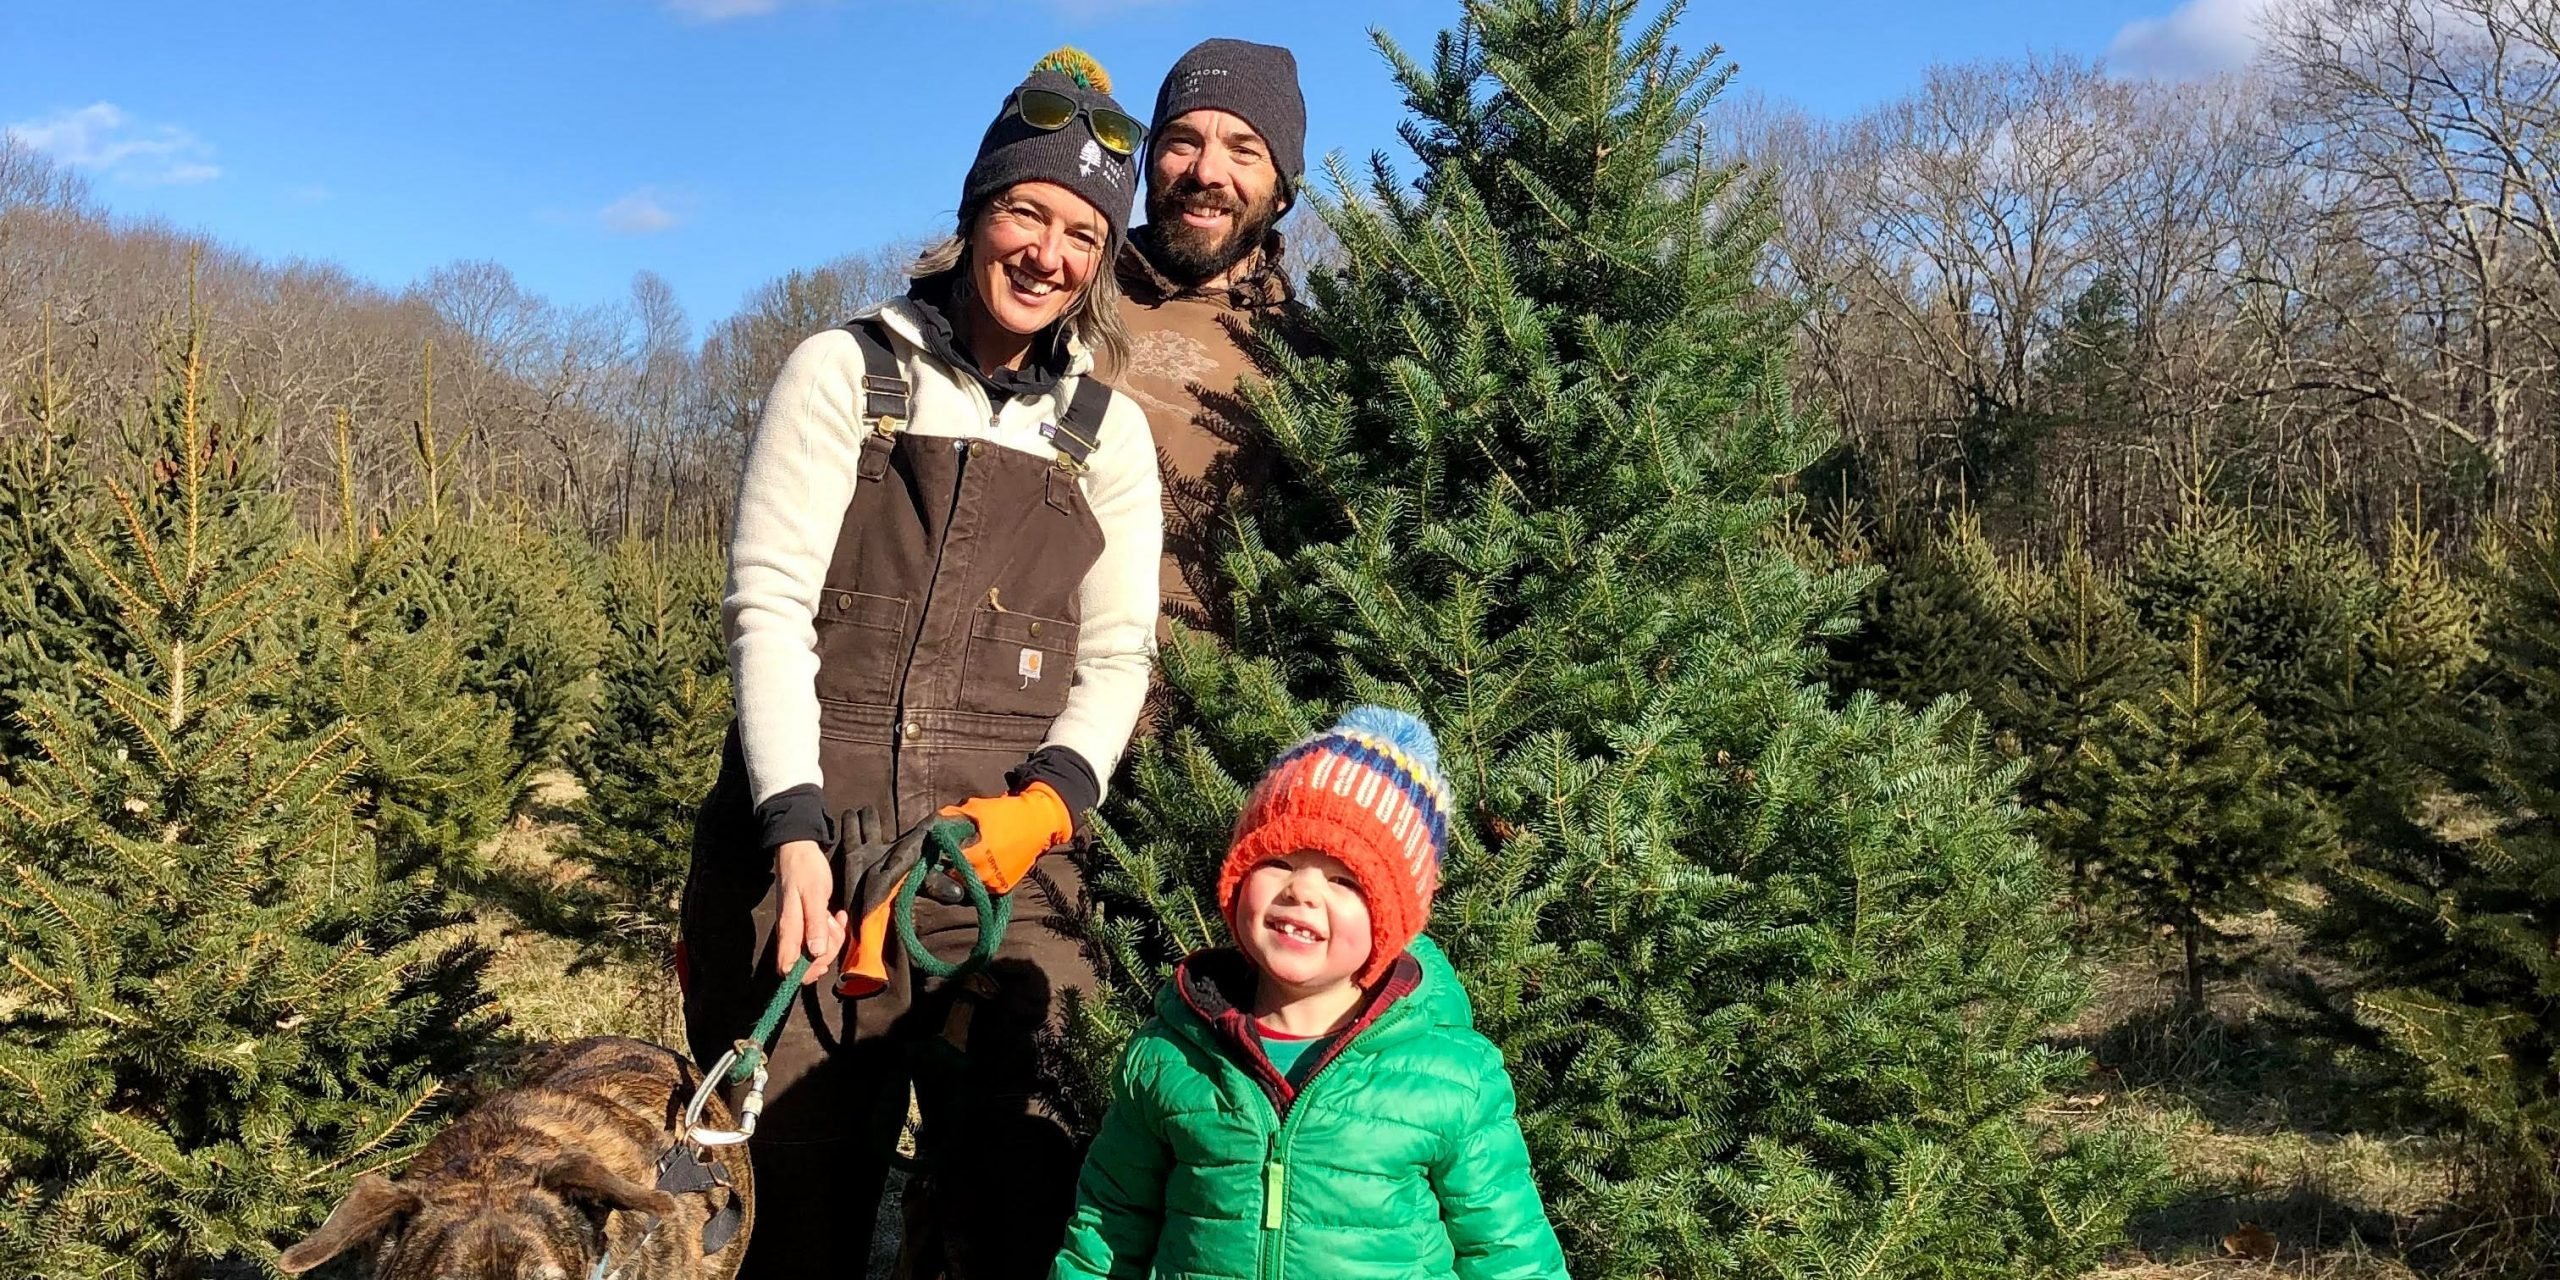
[546,1226]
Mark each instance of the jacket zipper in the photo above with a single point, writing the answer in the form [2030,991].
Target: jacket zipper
[1275,1201]
[1275,1166]
[941,545]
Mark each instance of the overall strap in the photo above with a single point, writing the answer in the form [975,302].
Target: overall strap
[1075,435]
[884,385]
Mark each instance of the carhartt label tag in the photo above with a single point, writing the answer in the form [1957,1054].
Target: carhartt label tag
[1030,668]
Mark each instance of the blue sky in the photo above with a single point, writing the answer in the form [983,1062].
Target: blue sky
[722,142]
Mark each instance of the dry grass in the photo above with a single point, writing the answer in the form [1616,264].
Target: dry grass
[2292,1160]
[550,988]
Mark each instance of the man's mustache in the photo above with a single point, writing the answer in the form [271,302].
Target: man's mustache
[1190,193]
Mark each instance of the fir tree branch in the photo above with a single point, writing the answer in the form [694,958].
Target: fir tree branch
[382,1134]
[29,880]
[139,721]
[328,743]
[10,801]
[257,580]
[143,546]
[62,996]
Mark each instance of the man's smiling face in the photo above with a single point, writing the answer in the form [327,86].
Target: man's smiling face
[1213,194]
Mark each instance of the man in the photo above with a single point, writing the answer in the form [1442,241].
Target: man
[1224,157]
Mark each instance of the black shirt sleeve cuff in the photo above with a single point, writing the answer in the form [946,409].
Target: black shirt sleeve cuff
[799,813]
[1067,772]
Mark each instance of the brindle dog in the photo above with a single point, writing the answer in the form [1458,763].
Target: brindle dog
[542,1179]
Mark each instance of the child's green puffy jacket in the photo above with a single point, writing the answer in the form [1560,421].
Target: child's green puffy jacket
[1399,1157]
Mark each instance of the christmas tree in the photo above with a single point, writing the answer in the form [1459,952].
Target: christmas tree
[2366,728]
[2454,922]
[662,708]
[214,1013]
[2203,818]
[436,779]
[2288,612]
[2085,655]
[515,604]
[49,624]
[1772,975]
[519,604]
[1943,618]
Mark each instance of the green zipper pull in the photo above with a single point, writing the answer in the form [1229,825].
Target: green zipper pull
[1275,1193]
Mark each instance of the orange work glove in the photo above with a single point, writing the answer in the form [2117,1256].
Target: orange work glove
[1013,831]
[864,971]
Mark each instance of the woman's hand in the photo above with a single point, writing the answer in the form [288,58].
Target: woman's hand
[808,890]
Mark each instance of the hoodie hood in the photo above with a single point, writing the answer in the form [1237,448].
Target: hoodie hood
[920,318]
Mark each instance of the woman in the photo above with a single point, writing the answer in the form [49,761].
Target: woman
[942,592]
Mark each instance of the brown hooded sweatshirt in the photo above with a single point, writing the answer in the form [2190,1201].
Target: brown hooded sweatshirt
[1188,351]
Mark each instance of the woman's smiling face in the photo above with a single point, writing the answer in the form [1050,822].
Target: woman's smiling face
[1033,252]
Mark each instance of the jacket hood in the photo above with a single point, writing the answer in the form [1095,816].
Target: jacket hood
[1211,996]
[921,324]
[1441,995]
[1147,286]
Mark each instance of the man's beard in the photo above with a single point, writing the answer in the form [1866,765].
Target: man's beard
[1191,255]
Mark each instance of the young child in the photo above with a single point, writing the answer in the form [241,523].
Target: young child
[1314,1101]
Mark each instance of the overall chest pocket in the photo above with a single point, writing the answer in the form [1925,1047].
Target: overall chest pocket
[862,641]
[1018,664]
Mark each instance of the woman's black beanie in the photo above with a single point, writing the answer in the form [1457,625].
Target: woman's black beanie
[1071,157]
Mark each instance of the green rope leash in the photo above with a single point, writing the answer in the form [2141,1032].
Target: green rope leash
[942,852]
[773,1010]
[995,914]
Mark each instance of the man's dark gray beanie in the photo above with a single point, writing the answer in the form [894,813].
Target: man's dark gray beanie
[1072,157]
[1258,82]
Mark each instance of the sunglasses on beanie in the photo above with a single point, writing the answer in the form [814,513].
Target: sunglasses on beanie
[1049,110]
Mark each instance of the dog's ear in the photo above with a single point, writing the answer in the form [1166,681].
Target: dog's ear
[582,1179]
[369,1212]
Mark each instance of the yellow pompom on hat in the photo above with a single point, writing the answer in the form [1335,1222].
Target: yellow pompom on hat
[1077,65]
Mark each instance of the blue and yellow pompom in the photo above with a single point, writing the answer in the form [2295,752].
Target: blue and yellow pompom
[1076,65]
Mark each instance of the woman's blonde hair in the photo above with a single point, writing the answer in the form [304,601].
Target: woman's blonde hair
[1092,317]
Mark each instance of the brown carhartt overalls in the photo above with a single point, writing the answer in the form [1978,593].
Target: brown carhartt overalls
[957,562]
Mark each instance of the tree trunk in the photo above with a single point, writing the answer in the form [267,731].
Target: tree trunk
[2195,972]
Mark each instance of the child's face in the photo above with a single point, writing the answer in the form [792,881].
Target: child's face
[1303,922]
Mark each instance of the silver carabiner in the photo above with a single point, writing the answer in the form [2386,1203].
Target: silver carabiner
[699,1136]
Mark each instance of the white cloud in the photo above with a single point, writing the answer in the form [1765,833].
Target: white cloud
[104,138]
[2198,38]
[638,214]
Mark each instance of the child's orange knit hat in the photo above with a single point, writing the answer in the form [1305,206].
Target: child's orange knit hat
[1369,792]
